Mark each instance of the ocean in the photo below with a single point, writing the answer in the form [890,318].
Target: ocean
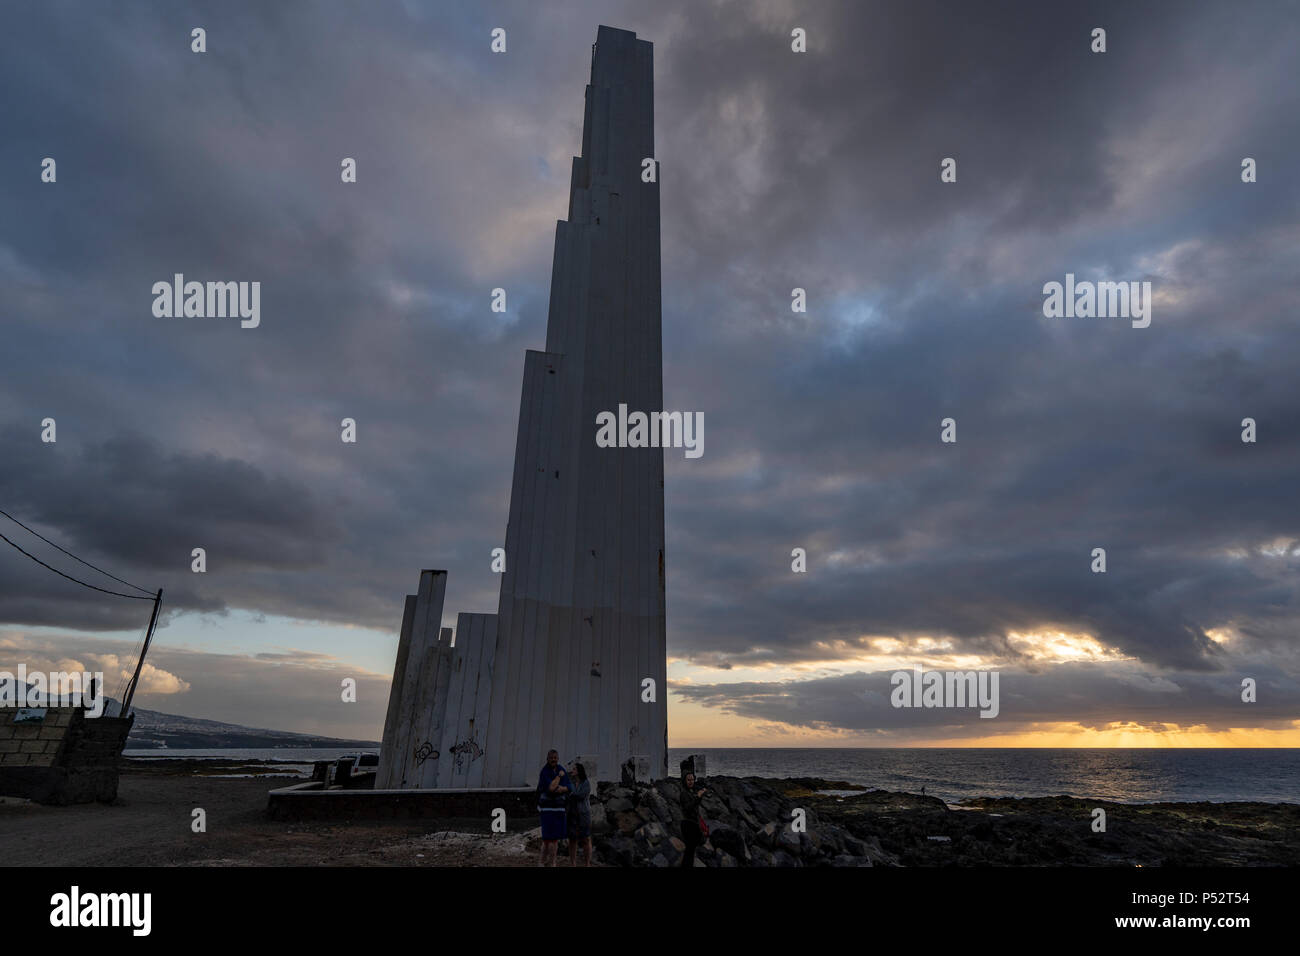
[1123,776]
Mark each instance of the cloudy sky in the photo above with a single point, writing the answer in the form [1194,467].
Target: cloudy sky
[778,170]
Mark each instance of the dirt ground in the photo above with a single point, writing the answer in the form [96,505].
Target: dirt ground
[150,825]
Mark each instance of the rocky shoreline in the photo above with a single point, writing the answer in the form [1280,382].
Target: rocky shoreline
[750,823]
[150,825]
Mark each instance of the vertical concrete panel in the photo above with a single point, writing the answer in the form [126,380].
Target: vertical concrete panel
[465,747]
[547,696]
[476,729]
[384,772]
[460,648]
[426,772]
[504,712]
[540,691]
[528,687]
[518,723]
[419,694]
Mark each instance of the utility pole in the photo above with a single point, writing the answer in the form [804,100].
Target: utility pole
[135,678]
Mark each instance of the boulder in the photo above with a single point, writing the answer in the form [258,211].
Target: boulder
[854,846]
[768,807]
[671,852]
[675,815]
[670,790]
[730,840]
[713,808]
[832,838]
[658,806]
[653,833]
[789,841]
[737,803]
[638,824]
[749,819]
[618,850]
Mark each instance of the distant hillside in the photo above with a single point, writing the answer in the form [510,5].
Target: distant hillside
[172,731]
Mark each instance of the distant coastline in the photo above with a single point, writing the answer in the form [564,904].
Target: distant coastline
[155,730]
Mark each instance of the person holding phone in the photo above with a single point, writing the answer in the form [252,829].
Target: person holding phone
[694,829]
[553,785]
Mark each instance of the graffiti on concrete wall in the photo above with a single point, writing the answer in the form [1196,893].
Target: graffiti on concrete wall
[467,751]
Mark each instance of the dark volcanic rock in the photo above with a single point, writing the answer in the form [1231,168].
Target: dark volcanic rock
[750,825]
[731,840]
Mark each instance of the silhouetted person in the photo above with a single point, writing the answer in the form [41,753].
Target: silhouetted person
[553,784]
[579,813]
[692,833]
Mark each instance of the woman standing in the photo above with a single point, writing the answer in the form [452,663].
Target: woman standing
[552,785]
[579,813]
[694,830]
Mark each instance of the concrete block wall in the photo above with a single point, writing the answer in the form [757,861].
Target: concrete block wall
[64,758]
[34,743]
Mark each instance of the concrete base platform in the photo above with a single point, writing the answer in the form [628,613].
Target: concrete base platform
[308,801]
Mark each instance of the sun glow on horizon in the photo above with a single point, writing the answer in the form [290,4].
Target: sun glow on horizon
[724,721]
[696,725]
[833,655]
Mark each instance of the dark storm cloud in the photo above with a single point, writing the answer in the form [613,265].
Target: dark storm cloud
[818,171]
[150,507]
[926,304]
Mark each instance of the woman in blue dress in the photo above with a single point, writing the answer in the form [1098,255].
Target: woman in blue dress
[553,785]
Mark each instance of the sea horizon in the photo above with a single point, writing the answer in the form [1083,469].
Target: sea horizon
[1116,774]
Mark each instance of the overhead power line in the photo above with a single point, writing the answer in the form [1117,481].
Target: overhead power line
[134,597]
[74,557]
[127,694]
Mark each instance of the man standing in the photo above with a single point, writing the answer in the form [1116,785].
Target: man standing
[553,785]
